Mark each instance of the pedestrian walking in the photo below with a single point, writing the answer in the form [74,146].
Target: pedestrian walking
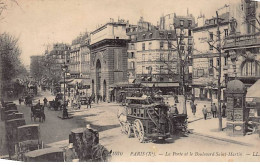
[45,101]
[205,112]
[214,110]
[193,108]
[20,101]
[79,104]
[89,102]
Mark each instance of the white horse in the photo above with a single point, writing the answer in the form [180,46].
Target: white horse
[121,115]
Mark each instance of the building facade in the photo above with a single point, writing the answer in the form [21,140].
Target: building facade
[243,44]
[75,58]
[108,58]
[205,58]
[57,56]
[153,57]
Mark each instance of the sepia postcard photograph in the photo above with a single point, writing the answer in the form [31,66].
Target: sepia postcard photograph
[129,81]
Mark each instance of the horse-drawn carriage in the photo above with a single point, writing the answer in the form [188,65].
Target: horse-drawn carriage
[37,111]
[149,120]
[11,127]
[146,119]
[28,139]
[8,108]
[28,100]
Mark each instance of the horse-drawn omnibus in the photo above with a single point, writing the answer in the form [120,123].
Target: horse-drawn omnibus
[146,119]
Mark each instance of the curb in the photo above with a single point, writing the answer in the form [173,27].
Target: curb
[195,120]
[223,139]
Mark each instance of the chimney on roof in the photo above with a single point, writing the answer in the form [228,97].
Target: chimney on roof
[201,20]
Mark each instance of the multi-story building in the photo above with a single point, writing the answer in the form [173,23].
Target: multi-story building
[58,55]
[108,57]
[79,67]
[205,58]
[243,44]
[132,31]
[75,58]
[152,54]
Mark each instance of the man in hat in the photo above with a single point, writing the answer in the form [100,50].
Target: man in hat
[70,153]
[88,139]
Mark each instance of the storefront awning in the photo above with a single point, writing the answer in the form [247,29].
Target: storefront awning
[160,84]
[66,81]
[254,90]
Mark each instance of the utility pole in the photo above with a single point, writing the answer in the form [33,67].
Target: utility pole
[219,74]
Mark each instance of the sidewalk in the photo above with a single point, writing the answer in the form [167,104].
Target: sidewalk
[209,128]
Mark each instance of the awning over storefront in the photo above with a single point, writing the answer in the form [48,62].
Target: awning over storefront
[66,81]
[160,84]
[254,90]
[85,83]
[121,84]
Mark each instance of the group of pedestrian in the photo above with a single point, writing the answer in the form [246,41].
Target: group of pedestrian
[213,111]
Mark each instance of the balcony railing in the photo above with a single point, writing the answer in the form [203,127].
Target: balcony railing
[242,40]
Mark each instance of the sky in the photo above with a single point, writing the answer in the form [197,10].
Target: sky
[40,22]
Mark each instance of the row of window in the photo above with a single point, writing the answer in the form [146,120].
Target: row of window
[163,57]
[249,68]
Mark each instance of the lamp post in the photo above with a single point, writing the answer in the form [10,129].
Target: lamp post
[64,69]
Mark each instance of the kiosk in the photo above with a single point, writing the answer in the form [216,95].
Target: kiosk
[236,110]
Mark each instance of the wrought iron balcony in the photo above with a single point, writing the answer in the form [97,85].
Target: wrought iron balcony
[242,40]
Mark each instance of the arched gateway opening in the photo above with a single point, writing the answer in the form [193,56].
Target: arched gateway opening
[98,77]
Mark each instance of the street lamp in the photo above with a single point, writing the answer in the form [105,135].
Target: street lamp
[64,69]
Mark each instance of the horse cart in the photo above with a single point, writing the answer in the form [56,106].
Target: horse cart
[53,154]
[28,100]
[11,127]
[28,139]
[145,119]
[37,111]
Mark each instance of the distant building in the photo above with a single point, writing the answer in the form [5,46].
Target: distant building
[57,56]
[108,57]
[75,58]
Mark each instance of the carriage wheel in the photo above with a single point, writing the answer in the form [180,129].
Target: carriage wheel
[128,130]
[139,130]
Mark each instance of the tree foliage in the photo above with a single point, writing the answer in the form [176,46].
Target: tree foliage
[11,65]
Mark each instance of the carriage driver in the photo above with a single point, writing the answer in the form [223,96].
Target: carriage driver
[38,105]
[88,140]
